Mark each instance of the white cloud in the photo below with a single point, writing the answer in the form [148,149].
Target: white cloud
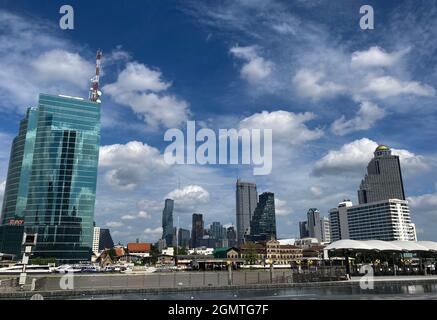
[286,126]
[366,117]
[140,215]
[153,232]
[116,55]
[411,161]
[316,191]
[114,224]
[256,68]
[127,166]
[388,86]
[424,202]
[376,57]
[353,158]
[60,65]
[137,77]
[189,197]
[424,214]
[312,84]
[32,62]
[141,88]
[282,208]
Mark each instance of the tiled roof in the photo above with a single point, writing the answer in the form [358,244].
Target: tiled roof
[139,247]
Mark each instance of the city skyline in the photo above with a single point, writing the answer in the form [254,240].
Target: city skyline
[337,90]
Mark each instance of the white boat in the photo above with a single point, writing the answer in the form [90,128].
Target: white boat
[67,268]
[30,269]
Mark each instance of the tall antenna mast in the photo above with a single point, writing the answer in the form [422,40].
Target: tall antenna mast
[94,90]
[177,238]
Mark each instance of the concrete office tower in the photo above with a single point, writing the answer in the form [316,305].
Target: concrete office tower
[51,181]
[313,221]
[339,222]
[325,229]
[197,230]
[263,225]
[96,240]
[167,222]
[387,220]
[383,180]
[246,202]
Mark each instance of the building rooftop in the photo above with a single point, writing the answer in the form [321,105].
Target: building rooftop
[139,247]
[382,147]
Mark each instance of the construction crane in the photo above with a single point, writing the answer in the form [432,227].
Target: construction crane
[95,93]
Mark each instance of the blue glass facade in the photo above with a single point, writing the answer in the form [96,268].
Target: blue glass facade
[167,222]
[51,182]
[263,224]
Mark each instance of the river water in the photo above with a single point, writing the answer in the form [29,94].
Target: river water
[337,292]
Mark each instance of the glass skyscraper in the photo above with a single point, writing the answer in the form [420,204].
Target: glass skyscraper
[197,230]
[167,222]
[51,181]
[263,224]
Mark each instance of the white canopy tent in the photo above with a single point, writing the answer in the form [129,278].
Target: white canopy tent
[379,245]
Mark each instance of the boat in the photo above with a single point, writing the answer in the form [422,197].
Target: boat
[89,269]
[68,268]
[30,269]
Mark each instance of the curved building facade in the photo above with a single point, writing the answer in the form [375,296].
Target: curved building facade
[51,181]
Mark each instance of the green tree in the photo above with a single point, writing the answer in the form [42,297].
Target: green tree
[154,252]
[251,255]
[181,251]
[112,253]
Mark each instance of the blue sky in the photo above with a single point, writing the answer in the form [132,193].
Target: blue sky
[330,91]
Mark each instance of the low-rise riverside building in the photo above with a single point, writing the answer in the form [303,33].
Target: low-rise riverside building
[253,253]
[139,249]
[223,253]
[282,254]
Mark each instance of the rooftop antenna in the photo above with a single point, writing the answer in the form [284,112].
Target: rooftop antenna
[95,93]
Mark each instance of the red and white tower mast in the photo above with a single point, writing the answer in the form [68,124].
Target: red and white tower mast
[94,90]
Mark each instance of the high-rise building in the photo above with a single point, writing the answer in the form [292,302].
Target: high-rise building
[231,235]
[325,229]
[383,180]
[105,241]
[315,226]
[382,212]
[96,240]
[51,181]
[183,238]
[303,229]
[387,220]
[218,232]
[167,222]
[246,202]
[263,224]
[197,229]
[313,223]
